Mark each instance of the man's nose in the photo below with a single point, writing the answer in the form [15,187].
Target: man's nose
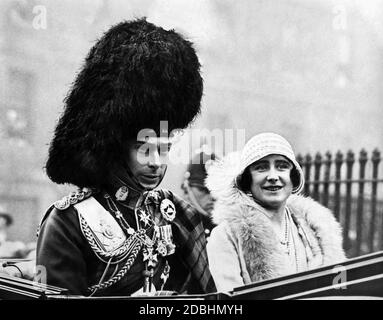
[154,160]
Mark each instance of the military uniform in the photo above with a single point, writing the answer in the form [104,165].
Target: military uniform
[98,257]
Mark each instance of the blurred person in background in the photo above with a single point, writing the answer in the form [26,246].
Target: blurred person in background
[195,190]
[16,258]
[10,249]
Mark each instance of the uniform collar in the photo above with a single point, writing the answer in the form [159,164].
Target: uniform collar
[123,189]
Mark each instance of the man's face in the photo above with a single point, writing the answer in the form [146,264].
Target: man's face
[203,197]
[147,160]
[271,184]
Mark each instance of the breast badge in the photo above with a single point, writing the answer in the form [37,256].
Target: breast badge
[168,210]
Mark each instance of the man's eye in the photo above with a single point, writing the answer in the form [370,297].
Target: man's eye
[139,147]
[143,151]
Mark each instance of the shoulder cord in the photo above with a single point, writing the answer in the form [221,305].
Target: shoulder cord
[129,262]
[131,248]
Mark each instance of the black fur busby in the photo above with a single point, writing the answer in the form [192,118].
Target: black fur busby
[135,76]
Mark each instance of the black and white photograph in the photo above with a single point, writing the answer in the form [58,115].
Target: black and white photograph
[211,152]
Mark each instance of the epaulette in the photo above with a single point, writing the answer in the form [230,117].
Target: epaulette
[73,198]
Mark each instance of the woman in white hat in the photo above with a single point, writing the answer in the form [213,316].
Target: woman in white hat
[265,229]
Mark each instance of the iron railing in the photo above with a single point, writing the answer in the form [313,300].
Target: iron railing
[353,189]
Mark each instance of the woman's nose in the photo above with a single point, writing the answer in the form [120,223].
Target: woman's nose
[272,175]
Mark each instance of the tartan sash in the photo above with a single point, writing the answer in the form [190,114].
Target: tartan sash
[191,244]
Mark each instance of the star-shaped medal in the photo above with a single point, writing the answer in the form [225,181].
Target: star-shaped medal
[144,217]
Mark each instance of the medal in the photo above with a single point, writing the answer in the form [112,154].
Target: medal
[168,210]
[144,217]
[166,237]
[165,274]
[152,196]
[162,248]
[171,248]
[150,257]
[166,233]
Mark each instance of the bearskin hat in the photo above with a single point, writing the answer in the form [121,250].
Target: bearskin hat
[136,75]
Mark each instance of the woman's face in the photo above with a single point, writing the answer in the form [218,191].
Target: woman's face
[271,184]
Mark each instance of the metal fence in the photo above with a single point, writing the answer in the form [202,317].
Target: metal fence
[353,189]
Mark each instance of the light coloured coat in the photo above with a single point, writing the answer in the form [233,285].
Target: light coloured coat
[244,247]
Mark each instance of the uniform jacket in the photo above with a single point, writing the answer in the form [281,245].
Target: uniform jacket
[71,263]
[244,248]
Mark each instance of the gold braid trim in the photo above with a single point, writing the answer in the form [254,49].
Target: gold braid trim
[129,262]
[131,247]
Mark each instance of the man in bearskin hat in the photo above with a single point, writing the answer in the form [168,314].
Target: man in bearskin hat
[118,235]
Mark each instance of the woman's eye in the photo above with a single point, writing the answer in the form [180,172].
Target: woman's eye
[283,166]
[260,167]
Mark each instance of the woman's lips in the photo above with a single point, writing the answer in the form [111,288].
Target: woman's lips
[273,188]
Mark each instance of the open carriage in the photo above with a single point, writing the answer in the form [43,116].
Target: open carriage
[357,278]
